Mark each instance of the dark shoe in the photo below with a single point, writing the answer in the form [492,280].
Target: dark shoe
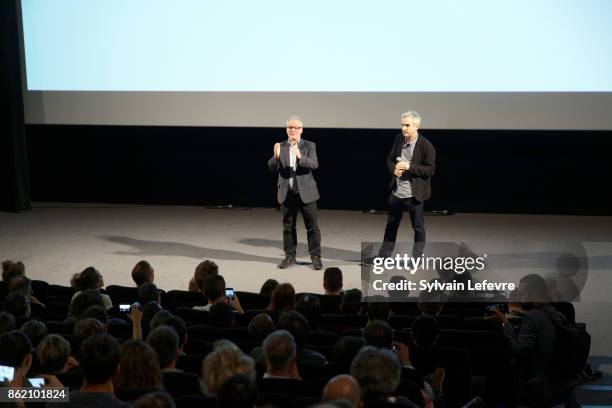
[367,261]
[316,262]
[287,262]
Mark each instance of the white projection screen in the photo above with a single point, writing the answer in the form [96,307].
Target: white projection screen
[472,64]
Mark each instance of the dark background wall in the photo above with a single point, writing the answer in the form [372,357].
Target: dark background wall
[555,172]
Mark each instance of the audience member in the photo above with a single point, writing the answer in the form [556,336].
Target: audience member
[99,362]
[268,287]
[260,326]
[138,367]
[54,355]
[425,331]
[11,269]
[238,391]
[81,301]
[149,310]
[344,351]
[379,334]
[225,361]
[18,305]
[221,315]
[23,284]
[87,328]
[165,342]
[280,355]
[297,325]
[157,399]
[143,272]
[148,292]
[431,302]
[282,300]
[310,307]
[16,352]
[91,279]
[351,302]
[343,387]
[175,323]
[97,312]
[378,373]
[35,330]
[204,269]
[214,291]
[378,309]
[332,281]
[7,322]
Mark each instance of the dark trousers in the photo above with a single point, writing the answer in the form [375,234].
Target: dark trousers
[396,211]
[290,208]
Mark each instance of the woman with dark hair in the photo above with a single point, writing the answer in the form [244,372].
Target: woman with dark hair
[91,279]
[268,287]
[138,368]
[283,300]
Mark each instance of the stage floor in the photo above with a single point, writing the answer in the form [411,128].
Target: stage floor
[56,240]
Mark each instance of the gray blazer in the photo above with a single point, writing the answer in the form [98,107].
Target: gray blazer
[307,186]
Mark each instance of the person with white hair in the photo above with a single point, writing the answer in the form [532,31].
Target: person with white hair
[294,159]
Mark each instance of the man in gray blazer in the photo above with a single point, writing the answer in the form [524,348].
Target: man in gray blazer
[294,160]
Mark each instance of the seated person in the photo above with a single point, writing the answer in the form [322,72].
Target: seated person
[332,281]
[343,387]
[99,362]
[260,326]
[280,356]
[225,361]
[238,391]
[139,372]
[204,269]
[214,291]
[16,352]
[351,302]
[282,300]
[268,287]
[54,354]
[91,279]
[143,272]
[165,343]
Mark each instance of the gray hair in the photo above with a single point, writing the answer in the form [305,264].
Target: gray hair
[294,117]
[278,349]
[412,115]
[377,371]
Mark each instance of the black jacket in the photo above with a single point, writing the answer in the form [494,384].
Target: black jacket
[422,166]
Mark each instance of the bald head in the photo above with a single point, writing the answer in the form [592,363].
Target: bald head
[343,387]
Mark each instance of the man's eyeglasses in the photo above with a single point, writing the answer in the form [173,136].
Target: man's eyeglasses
[294,127]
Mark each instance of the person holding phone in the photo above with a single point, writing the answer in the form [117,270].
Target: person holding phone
[294,160]
[215,291]
[15,358]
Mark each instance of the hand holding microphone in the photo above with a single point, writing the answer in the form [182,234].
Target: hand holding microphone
[400,166]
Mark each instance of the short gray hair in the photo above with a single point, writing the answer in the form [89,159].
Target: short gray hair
[414,115]
[278,349]
[295,117]
[377,371]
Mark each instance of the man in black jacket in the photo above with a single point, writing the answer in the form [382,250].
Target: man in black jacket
[412,162]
